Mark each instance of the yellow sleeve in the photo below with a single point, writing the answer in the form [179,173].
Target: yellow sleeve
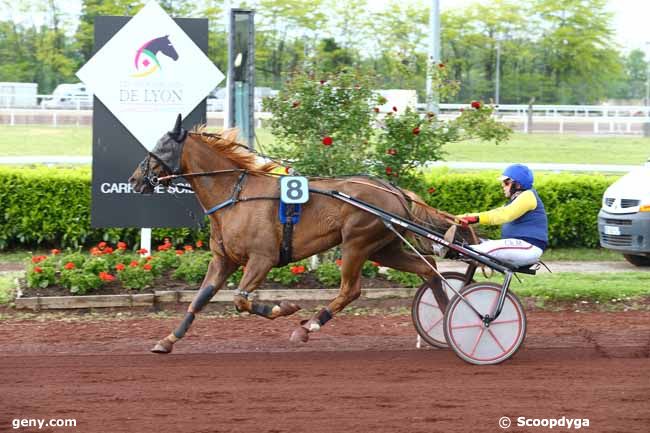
[525,202]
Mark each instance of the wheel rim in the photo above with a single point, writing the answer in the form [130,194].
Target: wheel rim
[475,343]
[430,318]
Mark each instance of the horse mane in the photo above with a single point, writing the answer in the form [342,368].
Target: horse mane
[225,144]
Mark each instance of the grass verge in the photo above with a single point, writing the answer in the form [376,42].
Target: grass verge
[7,286]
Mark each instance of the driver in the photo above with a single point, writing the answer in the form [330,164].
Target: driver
[525,226]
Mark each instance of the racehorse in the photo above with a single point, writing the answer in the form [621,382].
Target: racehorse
[241,196]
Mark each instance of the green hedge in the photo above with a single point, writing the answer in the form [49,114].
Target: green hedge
[51,206]
[572,201]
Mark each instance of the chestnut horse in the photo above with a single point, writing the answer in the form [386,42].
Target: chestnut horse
[241,196]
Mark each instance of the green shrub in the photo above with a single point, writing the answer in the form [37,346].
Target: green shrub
[287,275]
[136,276]
[193,267]
[79,281]
[404,278]
[329,274]
[41,272]
[370,269]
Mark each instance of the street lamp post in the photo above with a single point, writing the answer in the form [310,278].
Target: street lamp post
[498,74]
[646,125]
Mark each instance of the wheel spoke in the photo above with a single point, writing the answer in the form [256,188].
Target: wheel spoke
[504,321]
[478,339]
[477,325]
[430,305]
[434,325]
[503,350]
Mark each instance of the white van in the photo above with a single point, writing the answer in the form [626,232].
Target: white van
[624,219]
[69,96]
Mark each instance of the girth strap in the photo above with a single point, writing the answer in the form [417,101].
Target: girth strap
[289,215]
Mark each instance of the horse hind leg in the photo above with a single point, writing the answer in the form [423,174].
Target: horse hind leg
[349,291]
[218,271]
[256,270]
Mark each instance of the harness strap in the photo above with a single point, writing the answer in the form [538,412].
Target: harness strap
[234,197]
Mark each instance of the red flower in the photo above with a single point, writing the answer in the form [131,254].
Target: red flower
[395,109]
[199,244]
[376,109]
[101,245]
[38,259]
[338,262]
[120,267]
[296,270]
[327,140]
[416,130]
[38,270]
[441,65]
[163,247]
[375,264]
[95,251]
[105,276]
[148,258]
[142,251]
[188,248]
[146,267]
[431,190]
[134,264]
[295,104]
[108,250]
[121,245]
[476,104]
[389,170]
[179,252]
[55,252]
[323,81]
[69,266]
[391,151]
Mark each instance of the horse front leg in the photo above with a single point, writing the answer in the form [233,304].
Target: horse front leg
[219,269]
[256,270]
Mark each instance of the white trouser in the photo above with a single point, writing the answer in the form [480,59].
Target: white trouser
[515,251]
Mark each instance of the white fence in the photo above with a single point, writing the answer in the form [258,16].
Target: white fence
[558,119]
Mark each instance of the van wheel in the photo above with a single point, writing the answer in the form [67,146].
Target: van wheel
[637,260]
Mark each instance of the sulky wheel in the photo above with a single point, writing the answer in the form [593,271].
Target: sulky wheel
[426,315]
[470,339]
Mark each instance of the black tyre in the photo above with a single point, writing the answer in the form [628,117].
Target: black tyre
[637,260]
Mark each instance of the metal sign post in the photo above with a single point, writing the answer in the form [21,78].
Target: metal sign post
[241,74]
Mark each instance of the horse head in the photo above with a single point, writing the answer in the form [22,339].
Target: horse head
[164,45]
[163,160]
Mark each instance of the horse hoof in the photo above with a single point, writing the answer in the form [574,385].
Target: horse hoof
[299,335]
[288,308]
[163,346]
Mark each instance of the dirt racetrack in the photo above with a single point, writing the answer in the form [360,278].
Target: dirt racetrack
[360,374]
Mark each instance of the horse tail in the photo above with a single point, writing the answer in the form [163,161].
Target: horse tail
[437,221]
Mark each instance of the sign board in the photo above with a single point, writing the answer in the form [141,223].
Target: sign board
[146,70]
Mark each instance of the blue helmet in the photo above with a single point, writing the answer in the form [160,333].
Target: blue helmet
[520,174]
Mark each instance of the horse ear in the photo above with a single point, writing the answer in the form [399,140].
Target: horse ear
[177,127]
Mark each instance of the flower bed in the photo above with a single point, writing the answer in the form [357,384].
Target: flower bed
[108,269]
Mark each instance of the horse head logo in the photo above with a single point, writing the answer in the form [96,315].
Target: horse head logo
[146,60]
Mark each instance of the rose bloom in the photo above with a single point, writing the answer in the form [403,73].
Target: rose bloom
[101,245]
[55,252]
[476,104]
[105,276]
[38,270]
[69,266]
[188,248]
[146,267]
[416,130]
[395,109]
[142,251]
[179,252]
[120,267]
[108,250]
[121,245]
[134,264]
[327,141]
[199,244]
[389,170]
